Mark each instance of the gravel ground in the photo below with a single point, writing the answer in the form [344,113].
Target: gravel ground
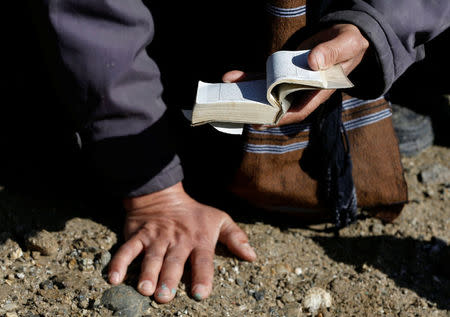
[53,259]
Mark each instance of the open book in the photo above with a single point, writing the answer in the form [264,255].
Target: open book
[264,101]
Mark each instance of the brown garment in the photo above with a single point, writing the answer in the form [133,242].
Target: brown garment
[271,175]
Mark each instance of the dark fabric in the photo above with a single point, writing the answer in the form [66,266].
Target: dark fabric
[397,31]
[113,88]
[327,159]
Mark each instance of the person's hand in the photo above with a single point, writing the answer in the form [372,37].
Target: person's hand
[340,43]
[169,227]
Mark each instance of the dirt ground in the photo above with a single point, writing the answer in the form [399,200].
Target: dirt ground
[53,259]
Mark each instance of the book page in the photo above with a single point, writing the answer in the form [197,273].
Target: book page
[289,66]
[246,91]
[336,78]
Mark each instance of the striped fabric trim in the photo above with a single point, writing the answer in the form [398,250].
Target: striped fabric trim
[274,149]
[355,102]
[281,149]
[286,12]
[283,130]
[366,120]
[296,128]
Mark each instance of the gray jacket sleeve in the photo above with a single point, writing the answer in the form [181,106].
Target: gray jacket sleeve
[102,44]
[397,31]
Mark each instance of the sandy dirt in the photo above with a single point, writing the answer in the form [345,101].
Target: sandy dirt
[53,256]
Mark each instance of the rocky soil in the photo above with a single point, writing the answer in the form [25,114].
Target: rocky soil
[53,256]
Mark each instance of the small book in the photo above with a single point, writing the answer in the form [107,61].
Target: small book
[264,101]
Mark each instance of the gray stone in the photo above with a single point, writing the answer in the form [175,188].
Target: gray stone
[292,310]
[240,282]
[47,284]
[414,131]
[124,300]
[435,174]
[259,295]
[102,259]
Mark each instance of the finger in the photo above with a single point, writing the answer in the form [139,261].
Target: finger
[150,268]
[305,106]
[202,272]
[122,259]
[237,76]
[236,240]
[233,76]
[351,64]
[171,272]
[345,46]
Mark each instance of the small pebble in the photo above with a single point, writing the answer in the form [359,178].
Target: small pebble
[9,306]
[17,253]
[239,282]
[259,295]
[283,268]
[317,298]
[288,298]
[44,242]
[47,284]
[72,264]
[20,276]
[298,271]
[154,304]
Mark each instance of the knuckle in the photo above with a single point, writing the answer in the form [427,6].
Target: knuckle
[203,260]
[153,257]
[202,240]
[238,235]
[332,54]
[120,258]
[358,41]
[170,281]
[363,43]
[175,259]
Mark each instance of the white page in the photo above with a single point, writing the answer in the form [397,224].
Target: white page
[251,91]
[288,65]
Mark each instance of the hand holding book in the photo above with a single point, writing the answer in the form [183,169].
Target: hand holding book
[264,101]
[340,44]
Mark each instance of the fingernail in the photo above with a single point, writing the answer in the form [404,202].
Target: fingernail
[114,277]
[320,61]
[146,286]
[164,291]
[199,292]
[249,250]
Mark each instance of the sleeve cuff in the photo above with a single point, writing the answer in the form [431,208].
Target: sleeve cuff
[169,176]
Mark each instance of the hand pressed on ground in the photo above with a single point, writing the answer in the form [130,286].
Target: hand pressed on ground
[170,227]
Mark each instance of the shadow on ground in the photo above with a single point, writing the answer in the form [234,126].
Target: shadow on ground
[22,213]
[420,266]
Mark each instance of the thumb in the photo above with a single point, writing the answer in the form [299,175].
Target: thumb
[324,55]
[347,44]
[236,240]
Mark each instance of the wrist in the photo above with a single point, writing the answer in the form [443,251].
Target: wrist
[170,194]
